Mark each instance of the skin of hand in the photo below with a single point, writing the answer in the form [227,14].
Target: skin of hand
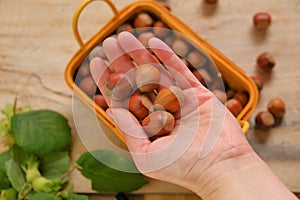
[207,151]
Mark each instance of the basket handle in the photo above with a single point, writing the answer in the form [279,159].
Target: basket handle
[245,125]
[77,14]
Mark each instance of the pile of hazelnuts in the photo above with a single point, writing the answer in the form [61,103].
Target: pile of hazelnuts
[152,103]
[144,25]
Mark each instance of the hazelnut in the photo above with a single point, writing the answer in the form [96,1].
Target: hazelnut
[264,120]
[97,52]
[143,20]
[265,61]
[139,105]
[259,82]
[144,38]
[199,77]
[160,29]
[169,40]
[170,98]
[276,106]
[230,93]
[242,97]
[234,106]
[221,95]
[196,59]
[84,70]
[158,123]
[147,78]
[210,1]
[100,101]
[262,20]
[125,27]
[180,47]
[88,85]
[118,86]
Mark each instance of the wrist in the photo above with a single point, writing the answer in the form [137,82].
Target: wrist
[243,177]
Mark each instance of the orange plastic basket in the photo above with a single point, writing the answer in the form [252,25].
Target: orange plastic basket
[235,77]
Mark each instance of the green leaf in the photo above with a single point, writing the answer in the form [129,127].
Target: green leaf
[43,196]
[105,178]
[75,196]
[4,126]
[15,174]
[4,156]
[55,165]
[4,182]
[41,132]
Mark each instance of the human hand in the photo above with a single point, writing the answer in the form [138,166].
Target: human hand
[206,135]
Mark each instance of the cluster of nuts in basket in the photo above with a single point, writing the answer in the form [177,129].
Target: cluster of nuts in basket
[144,26]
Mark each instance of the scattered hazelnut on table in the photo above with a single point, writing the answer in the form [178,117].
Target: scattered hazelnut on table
[264,120]
[262,20]
[276,106]
[265,61]
[211,1]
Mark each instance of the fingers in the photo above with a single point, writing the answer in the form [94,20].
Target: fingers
[175,65]
[135,49]
[135,136]
[100,73]
[119,60]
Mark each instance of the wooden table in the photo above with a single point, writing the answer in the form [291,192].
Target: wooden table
[36,43]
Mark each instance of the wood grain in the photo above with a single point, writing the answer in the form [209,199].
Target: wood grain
[36,43]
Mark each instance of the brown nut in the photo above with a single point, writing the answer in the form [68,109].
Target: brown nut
[265,61]
[158,123]
[100,101]
[160,29]
[170,98]
[143,20]
[97,52]
[221,95]
[277,107]
[259,82]
[230,94]
[234,106]
[125,27]
[262,20]
[84,70]
[242,97]
[118,86]
[180,47]
[196,59]
[210,1]
[264,120]
[88,85]
[139,105]
[147,78]
[144,38]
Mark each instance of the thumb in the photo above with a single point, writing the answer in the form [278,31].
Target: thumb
[134,134]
